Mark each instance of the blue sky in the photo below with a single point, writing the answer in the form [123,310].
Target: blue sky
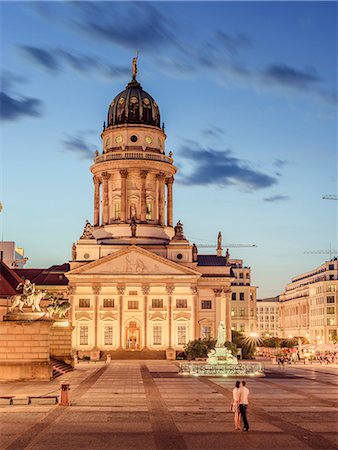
[248,94]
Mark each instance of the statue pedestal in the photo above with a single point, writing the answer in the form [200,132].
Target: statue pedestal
[24,349]
[23,316]
[61,340]
[170,354]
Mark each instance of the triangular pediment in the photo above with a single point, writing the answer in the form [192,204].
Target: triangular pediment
[133,261]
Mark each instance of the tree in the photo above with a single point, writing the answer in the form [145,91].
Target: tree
[199,348]
[247,345]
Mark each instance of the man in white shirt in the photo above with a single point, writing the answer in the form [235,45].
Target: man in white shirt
[243,404]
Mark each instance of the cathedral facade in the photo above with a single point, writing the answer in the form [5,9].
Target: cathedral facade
[135,281]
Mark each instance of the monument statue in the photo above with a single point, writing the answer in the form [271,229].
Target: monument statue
[30,297]
[74,252]
[220,335]
[219,240]
[58,307]
[227,257]
[194,253]
[133,227]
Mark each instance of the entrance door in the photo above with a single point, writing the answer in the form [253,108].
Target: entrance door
[132,336]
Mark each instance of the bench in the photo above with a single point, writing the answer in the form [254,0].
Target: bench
[7,397]
[30,397]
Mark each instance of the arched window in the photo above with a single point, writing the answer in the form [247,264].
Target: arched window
[149,215]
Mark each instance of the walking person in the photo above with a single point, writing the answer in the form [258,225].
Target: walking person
[235,406]
[243,404]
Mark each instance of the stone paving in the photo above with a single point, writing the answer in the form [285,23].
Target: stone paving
[146,405]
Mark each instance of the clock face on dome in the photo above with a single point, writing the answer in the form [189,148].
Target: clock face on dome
[149,140]
[118,139]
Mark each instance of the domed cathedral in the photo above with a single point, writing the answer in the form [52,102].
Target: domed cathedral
[136,283]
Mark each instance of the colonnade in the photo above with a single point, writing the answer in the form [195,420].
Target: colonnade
[162,194]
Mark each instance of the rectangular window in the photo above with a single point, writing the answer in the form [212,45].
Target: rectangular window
[149,214]
[252,312]
[241,275]
[330,310]
[84,303]
[233,296]
[331,266]
[206,304]
[83,335]
[247,275]
[331,321]
[181,303]
[206,332]
[241,312]
[181,335]
[331,288]
[330,299]
[233,311]
[132,304]
[157,303]
[108,303]
[241,295]
[117,210]
[234,326]
[157,335]
[241,327]
[251,296]
[108,335]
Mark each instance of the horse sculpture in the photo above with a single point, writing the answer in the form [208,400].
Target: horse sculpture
[33,300]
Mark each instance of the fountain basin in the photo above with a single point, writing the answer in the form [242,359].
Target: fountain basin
[218,370]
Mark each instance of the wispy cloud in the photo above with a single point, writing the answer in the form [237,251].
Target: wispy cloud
[289,76]
[57,59]
[281,163]
[41,57]
[12,108]
[79,146]
[221,168]
[277,198]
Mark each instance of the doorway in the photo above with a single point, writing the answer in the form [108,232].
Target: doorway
[133,336]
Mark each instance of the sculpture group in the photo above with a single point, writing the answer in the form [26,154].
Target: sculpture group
[31,297]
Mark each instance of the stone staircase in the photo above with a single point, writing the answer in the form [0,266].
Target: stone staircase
[59,367]
[137,354]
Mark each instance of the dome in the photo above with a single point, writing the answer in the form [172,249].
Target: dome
[134,106]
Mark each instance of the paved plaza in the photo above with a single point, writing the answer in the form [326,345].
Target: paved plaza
[146,405]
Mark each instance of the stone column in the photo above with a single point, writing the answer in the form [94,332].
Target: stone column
[170,182]
[121,290]
[170,289]
[194,291]
[96,201]
[105,207]
[143,175]
[145,292]
[227,294]
[96,290]
[70,294]
[124,175]
[161,178]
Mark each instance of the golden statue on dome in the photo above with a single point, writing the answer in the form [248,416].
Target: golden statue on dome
[134,66]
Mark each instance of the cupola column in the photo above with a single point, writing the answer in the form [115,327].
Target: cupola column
[143,174]
[96,201]
[105,206]
[124,176]
[170,182]
[161,178]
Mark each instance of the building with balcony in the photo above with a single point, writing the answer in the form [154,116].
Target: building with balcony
[308,305]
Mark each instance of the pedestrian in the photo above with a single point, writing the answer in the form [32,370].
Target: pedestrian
[235,406]
[243,404]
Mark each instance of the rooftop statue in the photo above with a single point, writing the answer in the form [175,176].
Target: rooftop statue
[134,66]
[87,231]
[30,297]
[179,235]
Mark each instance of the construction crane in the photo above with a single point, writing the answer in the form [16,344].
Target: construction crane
[227,245]
[322,252]
[330,197]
